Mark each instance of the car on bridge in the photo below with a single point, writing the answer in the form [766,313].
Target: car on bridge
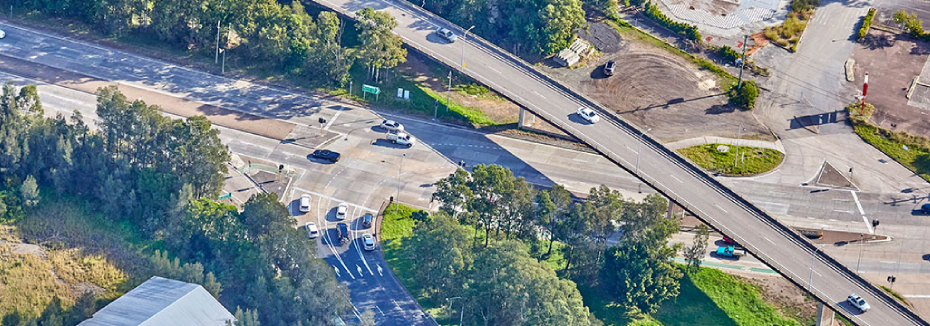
[588,115]
[858,302]
[447,35]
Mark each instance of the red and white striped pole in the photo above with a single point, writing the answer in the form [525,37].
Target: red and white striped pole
[865,88]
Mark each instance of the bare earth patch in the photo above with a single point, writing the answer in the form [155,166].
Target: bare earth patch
[655,89]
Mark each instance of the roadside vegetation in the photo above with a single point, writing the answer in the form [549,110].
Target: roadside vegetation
[137,195]
[688,31]
[748,161]
[497,242]
[788,34]
[866,23]
[912,151]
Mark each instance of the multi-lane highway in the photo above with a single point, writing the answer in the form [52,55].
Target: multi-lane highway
[773,243]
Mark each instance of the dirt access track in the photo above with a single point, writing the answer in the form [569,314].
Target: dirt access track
[893,60]
[653,88]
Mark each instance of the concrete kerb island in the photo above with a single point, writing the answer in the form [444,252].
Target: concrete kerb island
[675,159]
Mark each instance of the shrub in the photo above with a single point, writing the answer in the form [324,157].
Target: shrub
[866,23]
[770,33]
[728,53]
[782,42]
[803,5]
[688,31]
[744,97]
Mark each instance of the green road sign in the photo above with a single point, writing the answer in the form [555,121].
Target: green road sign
[371,89]
[226,196]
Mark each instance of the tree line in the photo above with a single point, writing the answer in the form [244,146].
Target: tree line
[262,32]
[158,174]
[636,270]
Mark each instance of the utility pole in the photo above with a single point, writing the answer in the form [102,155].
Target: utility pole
[739,134]
[865,88]
[216,59]
[449,91]
[739,83]
[860,253]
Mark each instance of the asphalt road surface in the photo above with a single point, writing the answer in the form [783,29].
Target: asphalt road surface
[771,242]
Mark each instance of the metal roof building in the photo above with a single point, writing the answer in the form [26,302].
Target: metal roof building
[162,301]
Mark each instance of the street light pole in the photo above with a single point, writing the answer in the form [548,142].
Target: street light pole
[217,58]
[638,151]
[464,38]
[860,253]
[449,91]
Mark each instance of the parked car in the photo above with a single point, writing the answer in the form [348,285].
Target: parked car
[391,125]
[402,138]
[925,209]
[342,233]
[729,241]
[341,211]
[312,231]
[447,35]
[588,115]
[856,301]
[305,203]
[368,241]
[729,252]
[367,220]
[2,33]
[326,155]
[609,67]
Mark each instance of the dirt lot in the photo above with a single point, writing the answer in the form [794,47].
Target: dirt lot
[893,61]
[655,89]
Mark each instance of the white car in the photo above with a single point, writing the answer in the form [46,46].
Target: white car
[856,301]
[341,211]
[391,125]
[588,115]
[447,34]
[368,241]
[305,203]
[312,231]
[2,33]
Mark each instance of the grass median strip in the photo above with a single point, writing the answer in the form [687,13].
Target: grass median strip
[912,151]
[750,160]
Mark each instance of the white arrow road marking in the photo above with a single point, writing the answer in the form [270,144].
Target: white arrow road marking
[359,268]
[380,271]
[336,269]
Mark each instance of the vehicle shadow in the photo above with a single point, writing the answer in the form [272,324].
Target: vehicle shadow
[389,144]
[574,117]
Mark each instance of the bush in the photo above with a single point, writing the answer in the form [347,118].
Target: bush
[745,97]
[689,31]
[866,23]
[804,5]
[728,53]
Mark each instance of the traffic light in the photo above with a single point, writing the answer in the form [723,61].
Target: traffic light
[875,223]
[891,279]
[322,121]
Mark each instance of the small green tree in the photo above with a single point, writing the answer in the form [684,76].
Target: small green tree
[745,96]
[694,253]
[29,192]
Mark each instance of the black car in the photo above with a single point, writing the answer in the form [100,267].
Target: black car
[342,233]
[366,220]
[609,67]
[326,155]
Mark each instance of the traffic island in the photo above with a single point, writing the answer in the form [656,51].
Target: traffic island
[731,160]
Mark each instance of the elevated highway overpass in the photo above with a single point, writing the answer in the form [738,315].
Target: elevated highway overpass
[634,150]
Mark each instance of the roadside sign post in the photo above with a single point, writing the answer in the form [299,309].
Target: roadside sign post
[371,89]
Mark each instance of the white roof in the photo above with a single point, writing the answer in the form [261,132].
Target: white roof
[161,301]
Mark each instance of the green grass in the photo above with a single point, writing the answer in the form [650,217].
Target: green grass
[423,100]
[917,155]
[752,160]
[896,295]
[629,32]
[740,301]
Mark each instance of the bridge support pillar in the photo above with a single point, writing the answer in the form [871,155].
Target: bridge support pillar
[522,117]
[824,315]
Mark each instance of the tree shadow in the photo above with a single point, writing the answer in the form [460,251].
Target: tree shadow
[878,41]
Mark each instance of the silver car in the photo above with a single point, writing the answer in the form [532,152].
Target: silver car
[391,125]
[368,241]
[856,301]
[447,34]
[2,33]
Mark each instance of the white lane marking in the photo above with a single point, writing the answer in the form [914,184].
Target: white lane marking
[495,70]
[886,262]
[329,240]
[721,208]
[333,119]
[379,310]
[767,239]
[319,195]
[358,248]
[842,211]
[917,296]
[861,211]
[540,95]
[676,178]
